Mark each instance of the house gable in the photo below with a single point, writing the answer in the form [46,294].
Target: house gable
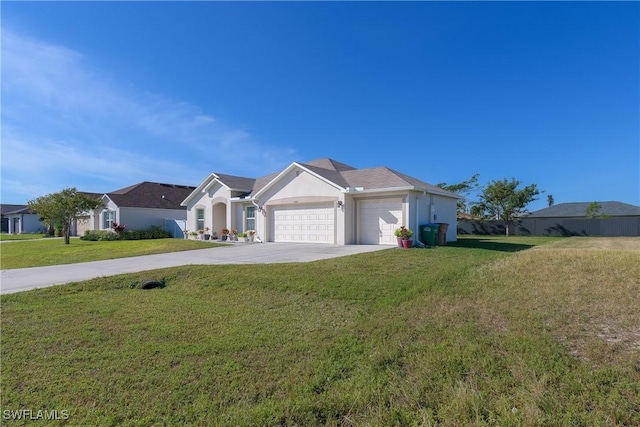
[236,185]
[295,177]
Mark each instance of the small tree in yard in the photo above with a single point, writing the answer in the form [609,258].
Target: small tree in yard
[503,200]
[463,189]
[62,208]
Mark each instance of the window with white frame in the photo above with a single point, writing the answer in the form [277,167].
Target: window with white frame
[109,217]
[250,218]
[200,219]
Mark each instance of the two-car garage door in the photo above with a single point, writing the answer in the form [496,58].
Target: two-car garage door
[313,223]
[377,219]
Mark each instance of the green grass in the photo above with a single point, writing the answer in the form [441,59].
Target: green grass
[468,334]
[28,236]
[45,252]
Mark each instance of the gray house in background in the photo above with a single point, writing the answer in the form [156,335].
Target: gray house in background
[579,210]
[18,219]
[566,219]
[570,219]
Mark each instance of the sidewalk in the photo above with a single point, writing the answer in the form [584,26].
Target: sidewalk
[24,279]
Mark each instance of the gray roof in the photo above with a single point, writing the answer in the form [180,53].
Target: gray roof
[13,209]
[262,181]
[151,195]
[239,183]
[330,164]
[579,209]
[379,178]
[383,177]
[330,174]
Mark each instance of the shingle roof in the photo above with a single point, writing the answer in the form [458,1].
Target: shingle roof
[262,181]
[330,164]
[329,174]
[579,209]
[13,209]
[343,175]
[383,177]
[237,182]
[151,195]
[380,177]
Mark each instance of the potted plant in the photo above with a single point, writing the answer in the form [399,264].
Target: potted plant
[242,237]
[398,235]
[186,234]
[234,235]
[201,233]
[193,234]
[404,235]
[225,234]
[207,236]
[214,235]
[251,235]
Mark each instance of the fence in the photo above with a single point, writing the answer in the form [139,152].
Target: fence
[607,227]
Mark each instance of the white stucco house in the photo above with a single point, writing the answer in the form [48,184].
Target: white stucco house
[322,201]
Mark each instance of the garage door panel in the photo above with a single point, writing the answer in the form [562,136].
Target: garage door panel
[377,221]
[304,223]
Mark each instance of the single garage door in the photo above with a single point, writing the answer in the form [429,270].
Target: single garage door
[304,223]
[377,221]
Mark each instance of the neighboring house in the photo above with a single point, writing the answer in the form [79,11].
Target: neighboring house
[18,219]
[566,219]
[323,201]
[579,210]
[570,219]
[140,207]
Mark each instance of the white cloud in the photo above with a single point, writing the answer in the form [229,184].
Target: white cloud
[67,124]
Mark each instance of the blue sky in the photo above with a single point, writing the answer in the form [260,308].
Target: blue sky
[102,95]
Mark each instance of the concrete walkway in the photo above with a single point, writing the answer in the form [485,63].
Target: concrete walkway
[24,279]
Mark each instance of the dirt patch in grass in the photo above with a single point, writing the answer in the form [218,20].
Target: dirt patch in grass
[601,243]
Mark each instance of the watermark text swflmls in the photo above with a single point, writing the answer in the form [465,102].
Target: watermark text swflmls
[30,414]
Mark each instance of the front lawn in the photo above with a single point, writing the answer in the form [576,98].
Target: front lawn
[451,336]
[26,236]
[45,252]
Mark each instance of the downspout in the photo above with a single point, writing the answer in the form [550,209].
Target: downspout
[431,209]
[253,202]
[417,227]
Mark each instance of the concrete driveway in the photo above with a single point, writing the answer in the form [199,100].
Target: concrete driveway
[24,279]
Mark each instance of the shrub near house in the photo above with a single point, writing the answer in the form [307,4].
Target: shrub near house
[150,233]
